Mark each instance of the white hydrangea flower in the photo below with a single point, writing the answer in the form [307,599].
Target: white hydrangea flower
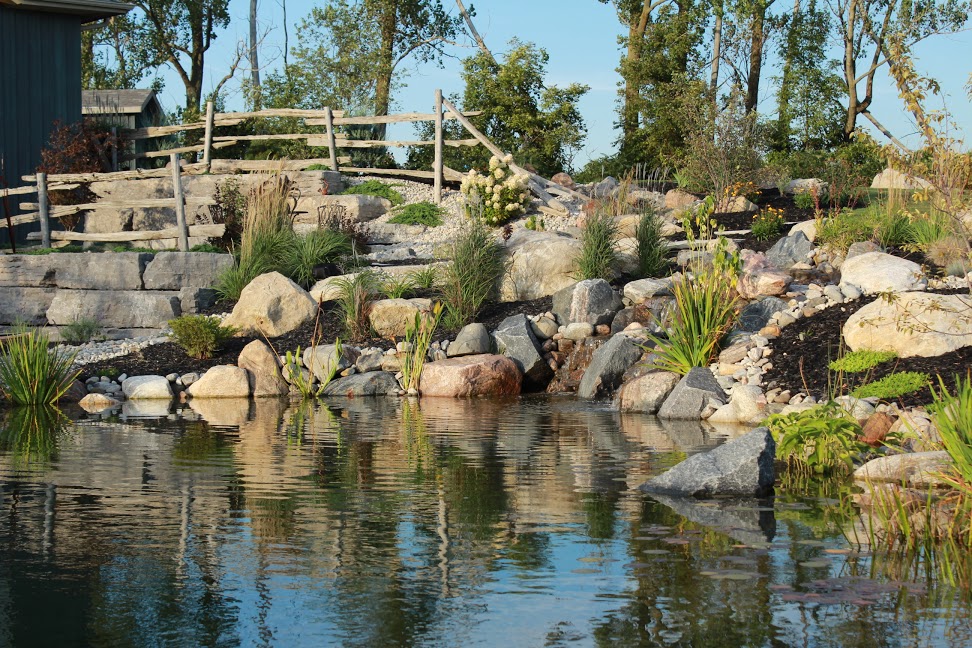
[493,162]
[508,159]
[498,174]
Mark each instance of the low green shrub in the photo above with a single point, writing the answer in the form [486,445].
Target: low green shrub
[30,372]
[471,278]
[704,312]
[804,200]
[767,224]
[80,331]
[598,258]
[652,247]
[200,336]
[893,385]
[376,188]
[420,213]
[861,360]
[206,247]
[822,440]
[304,252]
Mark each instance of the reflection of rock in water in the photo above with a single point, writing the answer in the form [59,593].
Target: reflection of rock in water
[749,521]
[146,408]
[222,412]
[569,374]
[688,436]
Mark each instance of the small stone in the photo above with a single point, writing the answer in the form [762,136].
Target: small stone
[578,331]
[172,377]
[189,378]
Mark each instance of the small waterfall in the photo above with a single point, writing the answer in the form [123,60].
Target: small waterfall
[575,358]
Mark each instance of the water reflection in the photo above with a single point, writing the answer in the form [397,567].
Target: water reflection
[439,522]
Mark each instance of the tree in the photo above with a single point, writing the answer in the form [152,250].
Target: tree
[867,27]
[179,33]
[254,56]
[540,125]
[110,57]
[810,90]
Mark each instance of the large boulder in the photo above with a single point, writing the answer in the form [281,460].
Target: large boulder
[646,393]
[743,467]
[607,367]
[894,179]
[806,185]
[876,272]
[221,381]
[477,375]
[147,388]
[355,207]
[392,317]
[678,200]
[330,288]
[116,271]
[912,324]
[538,264]
[272,305]
[746,405]
[913,468]
[25,305]
[757,314]
[373,383]
[473,339]
[515,339]
[697,395]
[176,270]
[323,360]
[592,301]
[760,278]
[640,291]
[262,368]
[789,251]
[115,308]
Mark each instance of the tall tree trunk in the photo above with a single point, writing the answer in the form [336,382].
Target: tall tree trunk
[850,71]
[286,35]
[783,118]
[388,28]
[254,57]
[629,110]
[757,38]
[716,54]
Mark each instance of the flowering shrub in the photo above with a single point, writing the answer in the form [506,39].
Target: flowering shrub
[498,195]
[767,224]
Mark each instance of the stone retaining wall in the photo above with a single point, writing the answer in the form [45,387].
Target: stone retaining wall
[124,290]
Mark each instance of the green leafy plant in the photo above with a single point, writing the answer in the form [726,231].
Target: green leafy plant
[822,440]
[652,248]
[893,385]
[767,224]
[304,252]
[355,295]
[376,188]
[497,195]
[60,250]
[804,200]
[861,360]
[80,331]
[420,213]
[200,336]
[304,381]
[425,278]
[534,222]
[952,415]
[418,335]
[30,372]
[598,258]
[471,278]
[397,287]
[704,312]
[206,247]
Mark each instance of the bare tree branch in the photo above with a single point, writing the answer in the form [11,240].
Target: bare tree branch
[475,34]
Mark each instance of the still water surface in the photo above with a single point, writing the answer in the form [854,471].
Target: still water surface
[453,523]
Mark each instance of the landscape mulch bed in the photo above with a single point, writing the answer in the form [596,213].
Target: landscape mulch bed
[806,348]
[166,358]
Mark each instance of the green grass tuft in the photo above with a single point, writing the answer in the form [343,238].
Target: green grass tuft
[376,188]
[420,213]
[30,372]
[893,385]
[861,360]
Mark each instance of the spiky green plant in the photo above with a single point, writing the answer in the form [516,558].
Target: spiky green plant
[418,335]
[31,373]
[652,248]
[705,310]
[471,278]
[397,287]
[598,258]
[304,252]
[355,295]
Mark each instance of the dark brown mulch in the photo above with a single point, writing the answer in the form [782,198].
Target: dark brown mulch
[166,358]
[806,347]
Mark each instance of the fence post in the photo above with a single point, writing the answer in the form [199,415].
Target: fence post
[114,148]
[437,164]
[332,149]
[43,210]
[180,202]
[208,142]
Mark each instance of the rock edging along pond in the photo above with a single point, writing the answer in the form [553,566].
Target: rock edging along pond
[125,290]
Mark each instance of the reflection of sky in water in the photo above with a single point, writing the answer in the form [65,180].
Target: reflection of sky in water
[465,523]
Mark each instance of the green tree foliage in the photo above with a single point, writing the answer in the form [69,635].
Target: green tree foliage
[540,125]
[179,33]
[810,89]
[112,58]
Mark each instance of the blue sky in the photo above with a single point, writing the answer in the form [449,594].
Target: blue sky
[581,38]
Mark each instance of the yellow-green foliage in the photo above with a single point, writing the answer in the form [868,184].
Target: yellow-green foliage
[200,336]
[861,360]
[893,385]
[822,440]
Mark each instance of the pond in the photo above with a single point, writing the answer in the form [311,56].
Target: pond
[449,523]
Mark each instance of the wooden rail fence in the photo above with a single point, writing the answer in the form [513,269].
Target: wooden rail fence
[444,110]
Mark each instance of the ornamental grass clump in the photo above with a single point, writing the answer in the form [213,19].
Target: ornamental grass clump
[355,297]
[598,258]
[498,195]
[471,278]
[705,310]
[418,336]
[317,247]
[31,373]
[652,247]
